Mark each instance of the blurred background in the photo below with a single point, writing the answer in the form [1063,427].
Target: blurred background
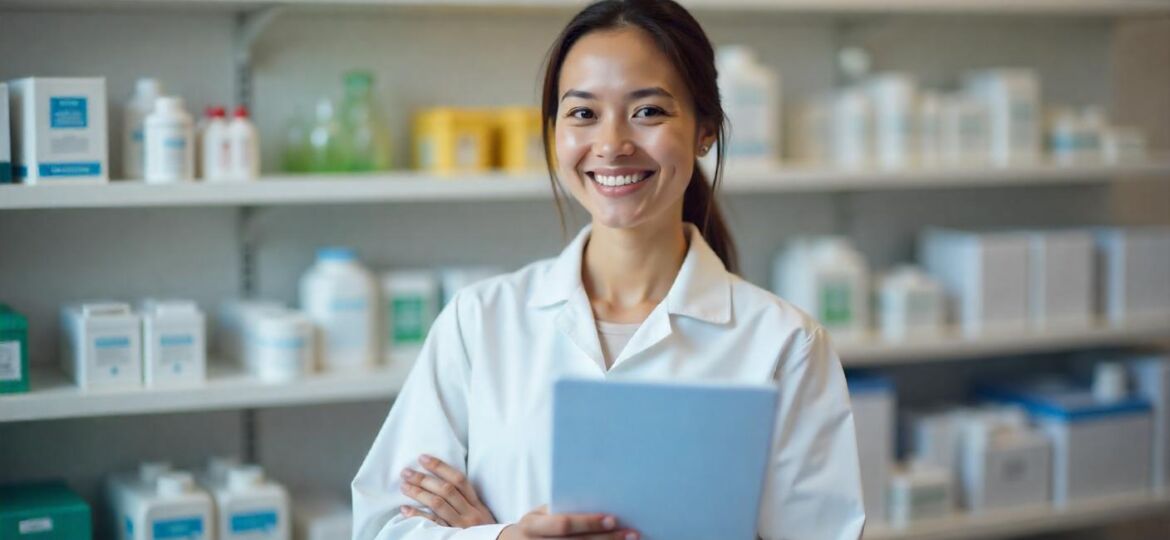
[973,196]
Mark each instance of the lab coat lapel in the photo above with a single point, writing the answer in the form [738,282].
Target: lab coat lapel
[575,321]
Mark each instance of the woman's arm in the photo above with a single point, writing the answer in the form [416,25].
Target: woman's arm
[813,487]
[429,416]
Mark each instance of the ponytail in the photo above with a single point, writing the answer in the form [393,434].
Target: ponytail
[701,209]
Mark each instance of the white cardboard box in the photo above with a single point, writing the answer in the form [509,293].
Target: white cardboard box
[1099,448]
[1004,466]
[1061,282]
[6,176]
[1152,378]
[873,401]
[1134,272]
[59,130]
[174,344]
[101,345]
[985,276]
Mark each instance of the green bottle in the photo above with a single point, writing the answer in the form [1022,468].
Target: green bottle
[327,142]
[367,142]
[13,351]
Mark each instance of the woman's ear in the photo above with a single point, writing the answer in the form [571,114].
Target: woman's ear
[706,138]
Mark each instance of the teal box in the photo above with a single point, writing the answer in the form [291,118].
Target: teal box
[43,511]
[13,351]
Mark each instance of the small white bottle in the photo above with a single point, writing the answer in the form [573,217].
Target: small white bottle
[170,143]
[893,97]
[281,345]
[341,297]
[141,104]
[751,101]
[852,129]
[911,304]
[828,278]
[250,506]
[244,147]
[173,508]
[215,146]
[173,343]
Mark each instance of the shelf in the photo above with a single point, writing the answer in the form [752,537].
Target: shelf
[876,352]
[53,396]
[397,187]
[1023,522]
[1007,7]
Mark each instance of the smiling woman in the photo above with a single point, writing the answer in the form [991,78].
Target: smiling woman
[647,291]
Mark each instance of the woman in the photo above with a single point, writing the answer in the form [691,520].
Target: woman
[645,292]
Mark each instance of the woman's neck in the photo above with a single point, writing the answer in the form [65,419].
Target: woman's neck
[627,272]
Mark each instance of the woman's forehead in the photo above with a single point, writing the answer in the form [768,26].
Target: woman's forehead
[616,62]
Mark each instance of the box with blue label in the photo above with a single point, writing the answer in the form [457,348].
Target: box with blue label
[1099,448]
[873,400]
[44,511]
[101,345]
[59,130]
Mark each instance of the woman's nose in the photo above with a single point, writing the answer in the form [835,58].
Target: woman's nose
[613,140]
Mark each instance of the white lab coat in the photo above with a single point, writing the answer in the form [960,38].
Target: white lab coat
[480,394]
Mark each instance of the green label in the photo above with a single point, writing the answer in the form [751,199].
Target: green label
[407,320]
[836,303]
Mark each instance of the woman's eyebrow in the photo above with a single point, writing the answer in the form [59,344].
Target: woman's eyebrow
[577,94]
[654,91]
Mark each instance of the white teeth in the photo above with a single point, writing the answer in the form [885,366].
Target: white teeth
[614,181]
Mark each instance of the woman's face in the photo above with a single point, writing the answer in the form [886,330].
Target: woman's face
[626,136]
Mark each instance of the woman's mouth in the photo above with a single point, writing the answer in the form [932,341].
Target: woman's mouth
[619,180]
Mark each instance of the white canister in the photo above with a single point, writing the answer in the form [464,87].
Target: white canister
[141,104]
[281,345]
[341,297]
[170,143]
[893,98]
[411,303]
[852,129]
[910,304]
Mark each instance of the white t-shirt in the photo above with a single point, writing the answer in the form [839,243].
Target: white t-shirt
[614,337]
[480,394]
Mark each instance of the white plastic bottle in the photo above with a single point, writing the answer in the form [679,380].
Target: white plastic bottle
[751,101]
[852,129]
[141,104]
[173,508]
[215,146]
[893,98]
[411,300]
[249,506]
[911,304]
[244,145]
[170,143]
[340,296]
[828,278]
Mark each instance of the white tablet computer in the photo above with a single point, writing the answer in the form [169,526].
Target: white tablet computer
[675,462]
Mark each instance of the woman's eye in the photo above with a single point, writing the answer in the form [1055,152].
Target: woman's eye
[581,114]
[648,112]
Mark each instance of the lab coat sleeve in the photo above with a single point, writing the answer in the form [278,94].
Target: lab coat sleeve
[813,487]
[429,416]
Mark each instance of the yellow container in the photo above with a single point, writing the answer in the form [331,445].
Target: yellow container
[520,148]
[447,139]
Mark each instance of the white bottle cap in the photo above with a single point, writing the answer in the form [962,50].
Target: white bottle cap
[218,466]
[149,471]
[147,87]
[175,483]
[169,104]
[242,477]
[1109,382]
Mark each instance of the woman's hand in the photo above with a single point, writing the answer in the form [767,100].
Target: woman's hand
[540,524]
[450,497]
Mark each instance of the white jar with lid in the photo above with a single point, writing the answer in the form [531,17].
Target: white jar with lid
[170,143]
[341,297]
[910,304]
[281,345]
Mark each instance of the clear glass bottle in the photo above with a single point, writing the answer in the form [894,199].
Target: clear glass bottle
[367,145]
[327,144]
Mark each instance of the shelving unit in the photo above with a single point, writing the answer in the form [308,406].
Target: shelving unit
[275,54]
[409,186]
[1027,521]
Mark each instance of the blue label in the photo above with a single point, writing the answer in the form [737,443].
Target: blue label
[70,169]
[5,172]
[68,113]
[176,143]
[111,342]
[351,304]
[20,171]
[264,521]
[188,528]
[176,340]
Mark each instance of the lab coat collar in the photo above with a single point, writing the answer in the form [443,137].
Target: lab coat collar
[701,290]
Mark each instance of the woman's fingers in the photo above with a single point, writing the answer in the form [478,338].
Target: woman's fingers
[450,475]
[437,504]
[557,525]
[410,511]
[444,489]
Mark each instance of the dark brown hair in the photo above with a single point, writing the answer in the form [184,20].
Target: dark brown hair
[680,37]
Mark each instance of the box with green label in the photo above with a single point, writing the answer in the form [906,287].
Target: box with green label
[13,351]
[43,511]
